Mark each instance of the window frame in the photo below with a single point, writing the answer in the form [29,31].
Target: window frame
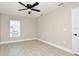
[19,28]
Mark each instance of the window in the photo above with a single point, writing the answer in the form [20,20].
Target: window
[14,28]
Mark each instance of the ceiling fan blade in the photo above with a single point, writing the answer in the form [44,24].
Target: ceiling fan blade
[35,10]
[22,4]
[21,9]
[35,4]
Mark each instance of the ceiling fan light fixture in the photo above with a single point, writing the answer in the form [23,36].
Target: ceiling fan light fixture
[29,10]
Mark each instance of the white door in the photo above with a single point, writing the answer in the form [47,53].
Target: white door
[75,30]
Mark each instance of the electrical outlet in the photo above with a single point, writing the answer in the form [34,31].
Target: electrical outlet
[65,29]
[64,42]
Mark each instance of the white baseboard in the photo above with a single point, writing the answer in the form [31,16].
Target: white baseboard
[57,46]
[52,44]
[21,40]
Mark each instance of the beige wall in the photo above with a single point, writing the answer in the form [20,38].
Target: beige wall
[0,28]
[28,27]
[56,27]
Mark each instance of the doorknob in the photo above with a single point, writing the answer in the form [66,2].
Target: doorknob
[75,34]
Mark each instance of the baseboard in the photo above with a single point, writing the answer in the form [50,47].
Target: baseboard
[57,46]
[14,41]
[52,44]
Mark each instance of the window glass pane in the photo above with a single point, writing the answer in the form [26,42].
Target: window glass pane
[14,28]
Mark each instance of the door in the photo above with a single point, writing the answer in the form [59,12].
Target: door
[75,30]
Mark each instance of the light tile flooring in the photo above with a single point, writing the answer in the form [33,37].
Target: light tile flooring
[31,48]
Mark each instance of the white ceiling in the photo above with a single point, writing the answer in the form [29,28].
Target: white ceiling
[11,8]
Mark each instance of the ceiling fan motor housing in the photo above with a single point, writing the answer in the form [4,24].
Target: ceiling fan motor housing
[29,6]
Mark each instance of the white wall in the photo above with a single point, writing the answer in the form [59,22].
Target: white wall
[28,27]
[56,27]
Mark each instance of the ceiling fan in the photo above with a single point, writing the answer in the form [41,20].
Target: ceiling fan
[29,7]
